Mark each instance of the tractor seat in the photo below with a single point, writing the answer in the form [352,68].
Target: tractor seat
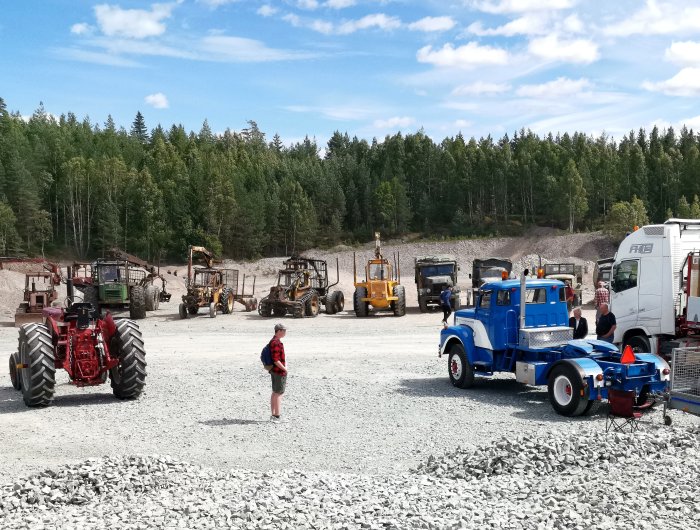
[82,312]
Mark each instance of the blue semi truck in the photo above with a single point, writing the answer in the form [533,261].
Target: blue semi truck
[533,341]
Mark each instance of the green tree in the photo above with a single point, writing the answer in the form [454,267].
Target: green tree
[8,233]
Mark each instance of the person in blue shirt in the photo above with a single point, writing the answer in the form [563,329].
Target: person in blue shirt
[446,303]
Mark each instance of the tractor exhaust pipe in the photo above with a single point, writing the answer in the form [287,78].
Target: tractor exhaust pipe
[69,285]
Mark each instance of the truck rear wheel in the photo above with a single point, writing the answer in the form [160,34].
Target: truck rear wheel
[461,372]
[137,303]
[400,304]
[38,375]
[566,392]
[361,308]
[14,376]
[129,376]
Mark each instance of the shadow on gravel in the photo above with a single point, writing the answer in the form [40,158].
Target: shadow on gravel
[532,401]
[11,400]
[225,422]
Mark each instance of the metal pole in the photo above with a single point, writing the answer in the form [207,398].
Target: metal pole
[523,300]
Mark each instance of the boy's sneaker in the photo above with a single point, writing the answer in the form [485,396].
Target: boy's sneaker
[280,419]
[275,419]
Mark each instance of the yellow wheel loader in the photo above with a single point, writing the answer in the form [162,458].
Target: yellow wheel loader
[381,290]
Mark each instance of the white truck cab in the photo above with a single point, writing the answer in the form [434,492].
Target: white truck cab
[654,288]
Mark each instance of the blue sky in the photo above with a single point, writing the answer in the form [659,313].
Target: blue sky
[368,67]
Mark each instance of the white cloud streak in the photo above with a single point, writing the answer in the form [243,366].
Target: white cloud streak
[396,122]
[432,24]
[266,10]
[340,4]
[530,24]
[481,88]
[157,100]
[81,28]
[685,83]
[114,21]
[658,18]
[553,48]
[523,6]
[466,56]
[684,53]
[558,88]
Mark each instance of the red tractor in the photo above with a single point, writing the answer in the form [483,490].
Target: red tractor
[91,349]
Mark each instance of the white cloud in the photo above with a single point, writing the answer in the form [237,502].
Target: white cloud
[307,4]
[463,124]
[684,83]
[571,51]
[560,87]
[81,29]
[322,26]
[242,50]
[157,100]
[266,10]
[659,18]
[467,56]
[293,19]
[217,3]
[529,24]
[133,23]
[342,113]
[397,122]
[523,6]
[684,53]
[691,123]
[378,20]
[94,57]
[481,88]
[340,4]
[429,24]
[573,24]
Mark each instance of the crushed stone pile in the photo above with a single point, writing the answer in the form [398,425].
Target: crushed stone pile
[627,481]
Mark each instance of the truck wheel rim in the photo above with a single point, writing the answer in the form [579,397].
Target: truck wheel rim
[562,390]
[456,366]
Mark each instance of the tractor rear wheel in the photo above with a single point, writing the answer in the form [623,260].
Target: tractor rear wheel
[312,305]
[400,304]
[137,303]
[226,300]
[212,310]
[565,390]
[193,309]
[361,308]
[129,376]
[264,308]
[183,311]
[152,294]
[14,376]
[461,372]
[279,311]
[36,355]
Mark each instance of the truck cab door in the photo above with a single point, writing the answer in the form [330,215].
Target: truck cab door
[624,295]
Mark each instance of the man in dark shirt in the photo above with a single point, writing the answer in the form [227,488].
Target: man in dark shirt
[278,372]
[579,324]
[605,328]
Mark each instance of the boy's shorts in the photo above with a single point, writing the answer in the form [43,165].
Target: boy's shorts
[279,382]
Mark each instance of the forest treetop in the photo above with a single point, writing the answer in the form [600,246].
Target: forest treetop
[76,188]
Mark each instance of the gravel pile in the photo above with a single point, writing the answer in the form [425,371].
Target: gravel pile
[646,480]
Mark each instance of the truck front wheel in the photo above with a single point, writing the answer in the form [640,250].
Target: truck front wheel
[566,392]
[638,343]
[461,372]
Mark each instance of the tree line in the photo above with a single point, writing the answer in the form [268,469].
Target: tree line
[76,188]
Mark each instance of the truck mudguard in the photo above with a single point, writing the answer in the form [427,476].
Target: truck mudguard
[463,335]
[586,367]
[661,364]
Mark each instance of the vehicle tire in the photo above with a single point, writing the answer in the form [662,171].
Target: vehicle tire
[137,303]
[400,304]
[361,308]
[423,305]
[460,371]
[193,309]
[455,303]
[279,311]
[182,309]
[591,408]
[212,310]
[330,305]
[129,377]
[668,421]
[264,309]
[38,379]
[14,376]
[638,343]
[299,310]
[338,301]
[226,300]
[564,389]
[91,296]
[152,297]
[313,305]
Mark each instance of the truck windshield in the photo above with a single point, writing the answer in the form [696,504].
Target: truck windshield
[437,270]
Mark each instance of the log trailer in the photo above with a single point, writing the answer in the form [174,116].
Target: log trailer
[533,341]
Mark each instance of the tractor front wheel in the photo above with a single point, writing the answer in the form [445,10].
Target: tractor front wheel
[461,372]
[361,308]
[14,376]
[36,355]
[226,300]
[566,392]
[129,376]
[264,308]
[400,304]
[182,309]
[137,303]
[312,305]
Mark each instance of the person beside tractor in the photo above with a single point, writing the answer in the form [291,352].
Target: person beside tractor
[605,328]
[446,303]
[278,373]
[579,324]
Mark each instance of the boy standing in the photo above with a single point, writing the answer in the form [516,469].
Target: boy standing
[278,372]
